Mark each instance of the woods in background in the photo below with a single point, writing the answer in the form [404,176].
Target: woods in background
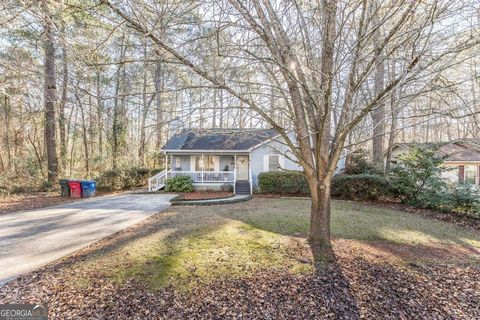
[81,91]
[120,77]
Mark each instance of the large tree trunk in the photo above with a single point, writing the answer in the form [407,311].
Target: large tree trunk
[7,115]
[119,110]
[63,100]
[84,136]
[50,95]
[144,113]
[319,179]
[319,236]
[99,114]
[61,110]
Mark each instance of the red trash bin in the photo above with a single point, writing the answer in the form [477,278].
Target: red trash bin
[75,189]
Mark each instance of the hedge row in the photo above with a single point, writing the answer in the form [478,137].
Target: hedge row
[283,182]
[367,187]
[350,187]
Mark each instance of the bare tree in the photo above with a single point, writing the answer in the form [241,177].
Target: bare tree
[305,63]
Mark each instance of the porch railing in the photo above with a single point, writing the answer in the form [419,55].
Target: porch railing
[157,182]
[205,176]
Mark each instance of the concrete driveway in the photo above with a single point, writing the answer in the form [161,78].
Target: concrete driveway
[31,239]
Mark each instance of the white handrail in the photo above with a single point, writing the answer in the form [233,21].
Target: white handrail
[157,181]
[205,176]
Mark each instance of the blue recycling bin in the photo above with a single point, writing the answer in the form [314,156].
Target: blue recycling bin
[88,188]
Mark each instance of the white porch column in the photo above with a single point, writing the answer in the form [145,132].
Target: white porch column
[234,172]
[166,165]
[250,173]
[203,167]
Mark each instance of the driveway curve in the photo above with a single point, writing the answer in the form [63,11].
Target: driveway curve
[31,239]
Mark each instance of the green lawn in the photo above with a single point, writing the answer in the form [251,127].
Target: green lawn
[187,245]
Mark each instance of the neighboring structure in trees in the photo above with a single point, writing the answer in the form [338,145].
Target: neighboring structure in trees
[216,159]
[462,157]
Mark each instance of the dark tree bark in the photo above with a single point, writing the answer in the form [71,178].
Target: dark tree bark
[6,114]
[84,136]
[119,110]
[50,94]
[99,113]
[61,109]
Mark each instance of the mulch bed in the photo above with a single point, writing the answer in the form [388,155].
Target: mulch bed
[203,195]
[362,283]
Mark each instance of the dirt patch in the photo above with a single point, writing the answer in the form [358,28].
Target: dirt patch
[20,202]
[14,203]
[404,253]
[450,217]
[202,195]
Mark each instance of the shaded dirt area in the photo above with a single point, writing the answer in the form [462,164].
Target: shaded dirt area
[201,195]
[450,217]
[20,202]
[14,203]
[463,220]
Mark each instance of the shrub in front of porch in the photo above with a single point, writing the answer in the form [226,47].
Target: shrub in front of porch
[179,184]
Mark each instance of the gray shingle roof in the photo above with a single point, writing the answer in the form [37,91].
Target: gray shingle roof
[232,139]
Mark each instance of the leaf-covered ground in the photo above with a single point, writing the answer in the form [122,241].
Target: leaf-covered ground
[13,203]
[29,201]
[250,260]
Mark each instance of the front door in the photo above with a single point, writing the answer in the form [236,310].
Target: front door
[242,167]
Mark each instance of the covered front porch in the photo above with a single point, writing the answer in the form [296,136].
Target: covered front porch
[209,170]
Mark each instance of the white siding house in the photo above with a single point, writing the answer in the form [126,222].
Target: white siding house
[226,159]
